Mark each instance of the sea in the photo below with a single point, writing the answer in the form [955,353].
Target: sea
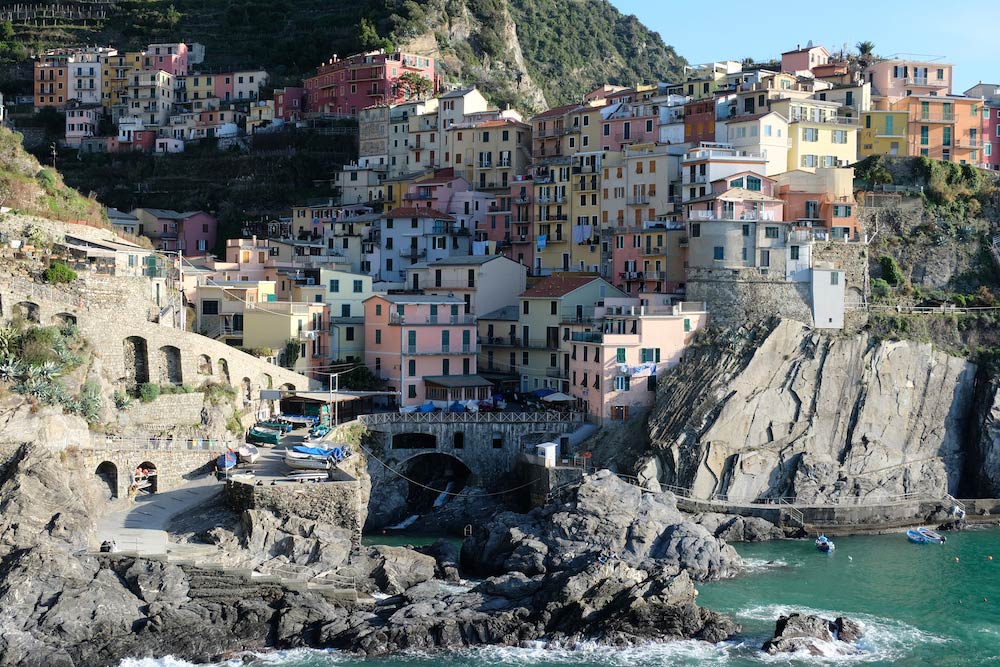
[919,604]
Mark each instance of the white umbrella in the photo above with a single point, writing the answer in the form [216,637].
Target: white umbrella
[557,397]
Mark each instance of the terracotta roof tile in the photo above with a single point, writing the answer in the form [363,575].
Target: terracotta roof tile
[558,286]
[415,212]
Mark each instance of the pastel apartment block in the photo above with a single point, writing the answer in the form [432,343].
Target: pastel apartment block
[345,86]
[484,283]
[191,232]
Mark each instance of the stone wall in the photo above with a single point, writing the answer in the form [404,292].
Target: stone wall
[735,297]
[166,411]
[174,466]
[336,503]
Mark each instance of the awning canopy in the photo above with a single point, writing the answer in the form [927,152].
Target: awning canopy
[557,397]
[457,381]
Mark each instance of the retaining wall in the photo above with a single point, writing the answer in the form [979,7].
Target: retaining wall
[174,466]
[337,503]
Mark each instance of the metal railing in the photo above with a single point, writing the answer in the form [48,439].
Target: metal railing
[108,443]
[539,417]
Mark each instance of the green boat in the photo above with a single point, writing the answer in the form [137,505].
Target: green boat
[263,437]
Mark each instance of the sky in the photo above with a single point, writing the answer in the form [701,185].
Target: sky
[965,34]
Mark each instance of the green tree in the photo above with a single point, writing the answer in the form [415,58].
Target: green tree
[890,270]
[369,38]
[6,31]
[413,86]
[59,273]
[866,53]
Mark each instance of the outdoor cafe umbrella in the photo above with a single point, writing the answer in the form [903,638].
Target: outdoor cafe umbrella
[557,397]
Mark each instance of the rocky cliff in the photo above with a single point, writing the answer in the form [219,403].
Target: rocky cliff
[784,411]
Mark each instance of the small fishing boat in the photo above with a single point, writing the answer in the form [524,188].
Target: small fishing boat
[248,453]
[258,436]
[932,536]
[276,424]
[916,537]
[226,462]
[319,431]
[307,462]
[824,544]
[307,474]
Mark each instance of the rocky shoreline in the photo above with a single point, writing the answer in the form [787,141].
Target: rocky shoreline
[603,562]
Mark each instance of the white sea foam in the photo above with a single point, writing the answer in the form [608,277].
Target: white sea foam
[755,564]
[650,655]
[883,639]
[298,656]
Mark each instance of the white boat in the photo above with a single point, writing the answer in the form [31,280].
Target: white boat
[307,474]
[307,463]
[248,453]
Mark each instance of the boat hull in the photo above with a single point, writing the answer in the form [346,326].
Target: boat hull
[308,463]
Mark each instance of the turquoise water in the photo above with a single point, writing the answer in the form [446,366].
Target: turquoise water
[918,605]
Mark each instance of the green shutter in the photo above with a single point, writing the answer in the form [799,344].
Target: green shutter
[657,354]
[621,355]
[687,324]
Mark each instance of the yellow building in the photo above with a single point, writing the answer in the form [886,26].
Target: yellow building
[817,135]
[115,73]
[261,115]
[201,92]
[280,325]
[883,133]
[489,154]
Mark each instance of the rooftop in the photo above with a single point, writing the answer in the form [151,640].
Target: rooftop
[461,92]
[414,212]
[558,286]
[462,260]
[418,298]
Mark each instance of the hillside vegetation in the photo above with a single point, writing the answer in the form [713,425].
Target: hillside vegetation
[531,53]
[27,186]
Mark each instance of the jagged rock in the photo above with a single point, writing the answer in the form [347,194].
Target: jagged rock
[781,410]
[602,517]
[398,568]
[447,554]
[734,528]
[984,463]
[814,635]
[300,541]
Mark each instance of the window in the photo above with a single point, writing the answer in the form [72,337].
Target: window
[810,134]
[746,230]
[554,308]
[349,333]
[335,286]
[940,74]
[808,160]
[524,307]
[924,135]
[620,355]
[868,122]
[378,336]
[765,258]
[771,232]
[378,309]
[458,441]
[840,136]
[718,253]
[841,211]
[834,278]
[687,325]
[753,183]
[695,231]
[946,140]
[794,252]
[210,307]
[622,382]
[411,391]
[358,286]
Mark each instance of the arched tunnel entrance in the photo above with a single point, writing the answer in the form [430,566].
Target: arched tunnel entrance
[145,478]
[430,478]
[107,473]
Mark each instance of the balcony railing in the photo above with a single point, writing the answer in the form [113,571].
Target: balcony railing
[922,117]
[500,341]
[451,284]
[638,200]
[427,320]
[558,373]
[417,195]
[925,81]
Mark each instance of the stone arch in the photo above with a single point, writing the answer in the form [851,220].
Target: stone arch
[28,310]
[145,478]
[412,440]
[107,473]
[224,372]
[136,362]
[169,365]
[268,380]
[247,391]
[62,319]
[204,365]
[430,477]
[288,386]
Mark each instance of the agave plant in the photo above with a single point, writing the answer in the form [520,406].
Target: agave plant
[11,370]
[48,370]
[8,341]
[32,386]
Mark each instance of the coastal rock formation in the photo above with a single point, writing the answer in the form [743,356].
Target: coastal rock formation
[784,411]
[797,633]
[983,466]
[734,528]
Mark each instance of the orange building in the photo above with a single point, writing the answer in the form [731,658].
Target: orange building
[51,80]
[948,128]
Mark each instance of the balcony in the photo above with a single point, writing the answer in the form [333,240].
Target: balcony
[966,142]
[500,341]
[638,200]
[520,239]
[925,81]
[451,284]
[413,254]
[587,337]
[522,201]
[558,373]
[921,117]
[485,165]
[576,316]
[553,218]
[428,320]
[828,120]
[653,251]
[411,196]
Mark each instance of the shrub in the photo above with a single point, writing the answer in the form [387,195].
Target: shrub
[122,400]
[880,288]
[59,273]
[149,392]
[890,270]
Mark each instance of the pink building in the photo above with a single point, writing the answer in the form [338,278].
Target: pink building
[804,60]
[170,57]
[614,370]
[520,246]
[436,193]
[193,232]
[892,80]
[81,122]
[345,86]
[424,346]
[289,102]
[628,123]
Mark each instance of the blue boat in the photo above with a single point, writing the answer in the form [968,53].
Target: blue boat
[932,536]
[226,462]
[916,537]
[824,544]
